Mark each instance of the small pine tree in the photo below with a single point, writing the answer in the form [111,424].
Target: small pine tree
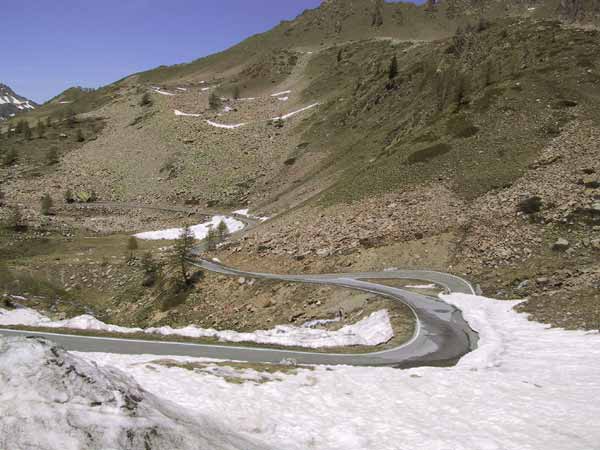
[146,100]
[80,136]
[222,231]
[236,92]
[52,156]
[214,101]
[181,250]
[393,71]
[46,204]
[212,239]
[340,55]
[132,246]
[48,122]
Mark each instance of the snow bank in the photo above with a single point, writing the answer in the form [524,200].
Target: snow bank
[221,125]
[526,387]
[199,231]
[54,400]
[281,93]
[283,99]
[373,330]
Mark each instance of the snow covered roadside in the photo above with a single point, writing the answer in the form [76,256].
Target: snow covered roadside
[199,231]
[525,387]
[373,330]
[370,331]
[421,286]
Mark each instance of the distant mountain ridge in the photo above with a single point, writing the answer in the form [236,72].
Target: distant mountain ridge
[11,103]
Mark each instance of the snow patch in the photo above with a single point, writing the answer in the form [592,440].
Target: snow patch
[421,286]
[293,113]
[370,331]
[54,400]
[158,91]
[246,213]
[222,125]
[199,231]
[179,113]
[281,93]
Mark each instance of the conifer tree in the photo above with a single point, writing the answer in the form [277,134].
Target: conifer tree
[393,71]
[180,253]
[222,231]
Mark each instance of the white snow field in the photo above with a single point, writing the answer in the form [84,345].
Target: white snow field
[199,231]
[54,400]
[370,331]
[526,387]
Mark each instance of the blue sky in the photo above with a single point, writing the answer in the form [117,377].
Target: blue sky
[55,45]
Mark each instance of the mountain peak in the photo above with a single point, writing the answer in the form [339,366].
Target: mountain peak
[12,103]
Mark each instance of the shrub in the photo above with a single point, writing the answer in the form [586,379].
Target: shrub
[79,136]
[68,196]
[132,246]
[46,204]
[52,156]
[146,100]
[10,157]
[214,101]
[531,205]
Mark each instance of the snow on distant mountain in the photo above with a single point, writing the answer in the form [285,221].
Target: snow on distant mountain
[11,103]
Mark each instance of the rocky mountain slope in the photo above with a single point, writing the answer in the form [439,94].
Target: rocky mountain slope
[52,399]
[476,154]
[11,103]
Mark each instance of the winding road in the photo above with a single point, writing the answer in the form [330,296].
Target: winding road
[441,336]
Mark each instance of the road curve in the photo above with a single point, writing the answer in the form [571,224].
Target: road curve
[441,336]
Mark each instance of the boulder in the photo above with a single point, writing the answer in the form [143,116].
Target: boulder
[561,245]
